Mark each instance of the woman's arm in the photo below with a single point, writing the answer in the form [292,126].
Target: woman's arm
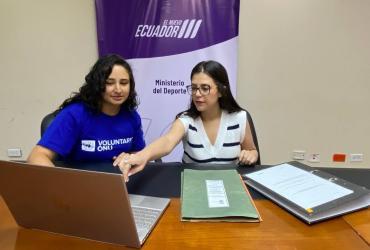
[133,163]
[41,156]
[248,154]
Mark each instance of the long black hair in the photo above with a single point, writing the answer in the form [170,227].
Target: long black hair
[90,93]
[218,73]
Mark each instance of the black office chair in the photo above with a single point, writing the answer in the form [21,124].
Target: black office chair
[46,121]
[254,134]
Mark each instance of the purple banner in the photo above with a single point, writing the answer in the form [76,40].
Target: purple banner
[163,40]
[148,28]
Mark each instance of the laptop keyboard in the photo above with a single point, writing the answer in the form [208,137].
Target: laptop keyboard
[144,219]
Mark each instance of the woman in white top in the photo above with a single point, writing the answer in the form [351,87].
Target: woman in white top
[213,130]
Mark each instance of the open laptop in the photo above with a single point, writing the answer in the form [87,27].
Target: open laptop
[92,205]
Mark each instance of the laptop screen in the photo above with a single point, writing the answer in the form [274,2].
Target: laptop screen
[92,205]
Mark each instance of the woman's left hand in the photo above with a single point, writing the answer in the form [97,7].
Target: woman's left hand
[248,157]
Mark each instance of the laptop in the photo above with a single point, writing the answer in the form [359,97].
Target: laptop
[85,204]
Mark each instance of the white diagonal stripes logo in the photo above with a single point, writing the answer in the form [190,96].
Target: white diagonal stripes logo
[192,28]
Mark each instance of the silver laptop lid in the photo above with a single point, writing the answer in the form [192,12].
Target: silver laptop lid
[85,204]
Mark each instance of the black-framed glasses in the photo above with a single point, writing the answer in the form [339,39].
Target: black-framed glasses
[204,89]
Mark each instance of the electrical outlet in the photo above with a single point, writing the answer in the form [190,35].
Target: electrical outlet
[14,152]
[314,158]
[298,154]
[356,157]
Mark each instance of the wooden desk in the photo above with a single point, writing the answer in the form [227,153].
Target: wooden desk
[279,230]
[360,222]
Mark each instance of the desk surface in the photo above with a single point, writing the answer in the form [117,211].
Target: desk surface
[163,179]
[278,230]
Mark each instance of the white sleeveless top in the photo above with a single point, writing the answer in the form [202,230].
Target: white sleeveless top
[227,147]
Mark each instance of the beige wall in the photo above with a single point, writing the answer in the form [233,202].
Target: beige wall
[304,71]
[304,74]
[46,48]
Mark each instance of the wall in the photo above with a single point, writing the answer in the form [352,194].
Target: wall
[304,74]
[304,71]
[46,49]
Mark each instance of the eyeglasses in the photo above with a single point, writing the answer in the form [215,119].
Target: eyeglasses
[204,89]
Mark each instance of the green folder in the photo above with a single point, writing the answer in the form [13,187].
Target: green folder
[216,195]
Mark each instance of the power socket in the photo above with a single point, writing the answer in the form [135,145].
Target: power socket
[14,152]
[298,154]
[314,158]
[356,157]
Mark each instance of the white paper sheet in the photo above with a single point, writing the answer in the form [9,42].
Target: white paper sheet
[300,187]
[216,194]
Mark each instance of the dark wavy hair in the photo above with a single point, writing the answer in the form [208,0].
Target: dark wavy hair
[218,73]
[90,93]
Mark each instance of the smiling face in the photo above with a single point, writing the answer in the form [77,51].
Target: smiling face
[200,82]
[117,90]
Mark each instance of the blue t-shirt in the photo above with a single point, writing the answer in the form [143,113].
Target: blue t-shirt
[78,134]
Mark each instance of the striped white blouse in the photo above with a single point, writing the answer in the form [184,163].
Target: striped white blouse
[227,147]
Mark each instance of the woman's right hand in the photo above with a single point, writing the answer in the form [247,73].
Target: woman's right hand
[130,164]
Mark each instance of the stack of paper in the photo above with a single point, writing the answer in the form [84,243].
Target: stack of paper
[310,194]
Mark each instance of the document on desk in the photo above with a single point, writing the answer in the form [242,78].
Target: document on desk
[216,195]
[299,186]
[310,194]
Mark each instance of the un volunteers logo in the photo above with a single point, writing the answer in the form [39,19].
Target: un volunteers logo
[88,145]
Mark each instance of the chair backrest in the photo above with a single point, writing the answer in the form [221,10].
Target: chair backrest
[254,134]
[46,121]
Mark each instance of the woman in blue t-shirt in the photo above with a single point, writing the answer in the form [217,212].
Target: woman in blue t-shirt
[97,123]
